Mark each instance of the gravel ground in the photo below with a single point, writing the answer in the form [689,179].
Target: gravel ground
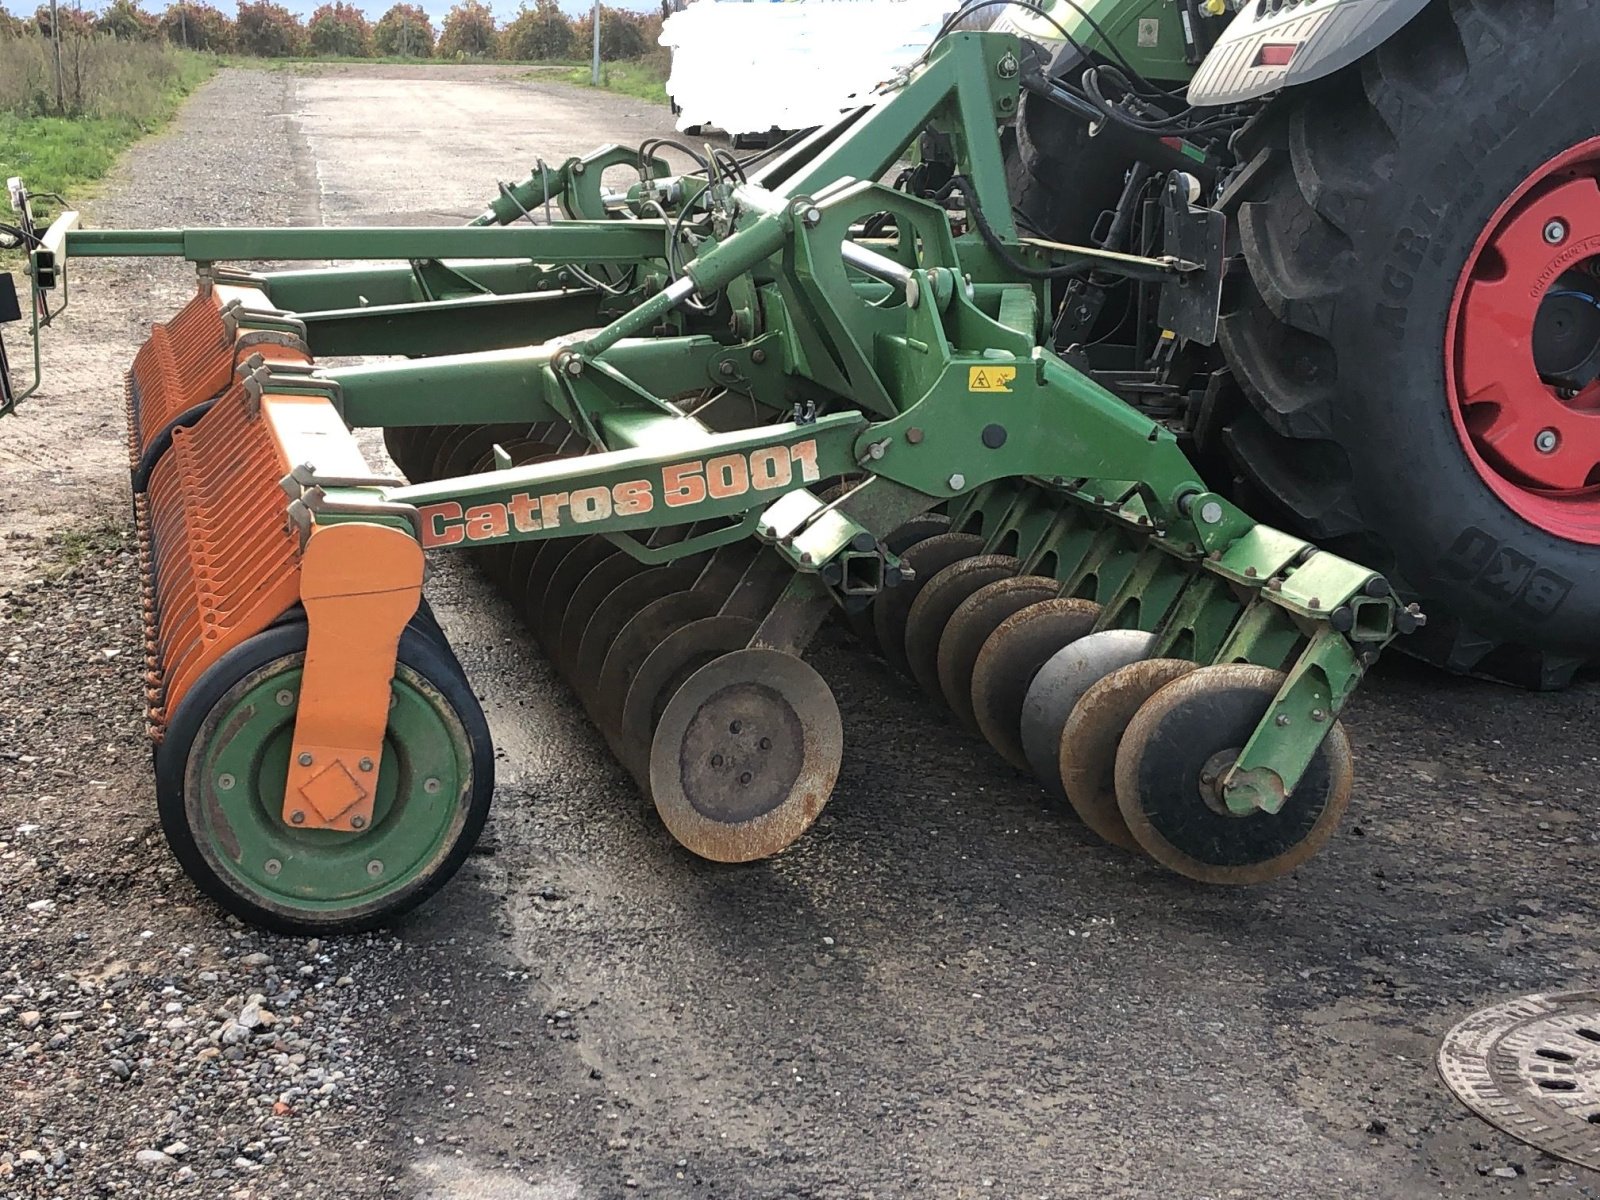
[150,1047]
[944,990]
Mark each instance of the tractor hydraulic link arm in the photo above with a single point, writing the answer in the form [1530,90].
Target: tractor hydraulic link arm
[576,188]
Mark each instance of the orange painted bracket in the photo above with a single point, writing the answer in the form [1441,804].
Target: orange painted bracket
[360,583]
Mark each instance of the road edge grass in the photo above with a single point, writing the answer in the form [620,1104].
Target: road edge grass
[69,155]
[642,78]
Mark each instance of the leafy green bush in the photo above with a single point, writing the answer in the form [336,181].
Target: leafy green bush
[623,34]
[268,30]
[102,77]
[196,26]
[124,19]
[111,93]
[404,32]
[338,29]
[539,34]
[469,31]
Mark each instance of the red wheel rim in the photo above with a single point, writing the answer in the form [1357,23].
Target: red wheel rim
[1523,348]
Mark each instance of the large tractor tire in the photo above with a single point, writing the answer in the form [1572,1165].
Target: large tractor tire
[1417,336]
[1060,178]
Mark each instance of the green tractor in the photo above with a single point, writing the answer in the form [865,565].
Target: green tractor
[1407,363]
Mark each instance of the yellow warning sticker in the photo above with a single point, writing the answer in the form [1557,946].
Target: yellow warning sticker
[990,379]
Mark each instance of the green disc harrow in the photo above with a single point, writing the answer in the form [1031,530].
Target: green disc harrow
[684,420]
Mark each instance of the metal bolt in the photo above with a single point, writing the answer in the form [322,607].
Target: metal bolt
[957,482]
[285,697]
[746,777]
[813,217]
[758,356]
[272,866]
[578,167]
[225,783]
[735,726]
[765,743]
[366,764]
[306,760]
[375,868]
[1208,777]
[1555,232]
[1318,715]
[725,368]
[574,365]
[1211,512]
[358,822]
[1282,720]
[297,817]
[914,435]
[430,785]
[716,760]
[1546,441]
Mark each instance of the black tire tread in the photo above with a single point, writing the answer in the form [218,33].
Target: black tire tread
[1317,161]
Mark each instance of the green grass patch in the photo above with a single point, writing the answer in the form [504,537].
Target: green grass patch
[70,549]
[120,101]
[62,155]
[644,77]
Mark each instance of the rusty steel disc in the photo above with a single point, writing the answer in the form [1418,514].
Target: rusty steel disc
[511,570]
[475,455]
[599,583]
[1092,733]
[1170,763]
[495,561]
[1060,684]
[472,449]
[918,529]
[425,451]
[937,602]
[562,581]
[400,443]
[644,631]
[1531,1066]
[1009,660]
[971,625]
[611,615]
[508,565]
[683,652]
[890,610]
[745,755]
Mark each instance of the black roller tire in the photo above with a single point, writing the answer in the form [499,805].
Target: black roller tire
[1360,202]
[423,649]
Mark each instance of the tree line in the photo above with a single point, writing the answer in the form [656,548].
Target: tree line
[539,32]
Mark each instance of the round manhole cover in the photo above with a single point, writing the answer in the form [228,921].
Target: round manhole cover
[1532,1068]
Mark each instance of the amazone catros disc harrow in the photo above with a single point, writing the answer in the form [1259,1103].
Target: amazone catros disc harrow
[681,427]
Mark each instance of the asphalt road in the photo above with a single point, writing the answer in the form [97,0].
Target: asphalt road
[947,988]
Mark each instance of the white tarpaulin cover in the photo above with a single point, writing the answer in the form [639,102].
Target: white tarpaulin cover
[753,67]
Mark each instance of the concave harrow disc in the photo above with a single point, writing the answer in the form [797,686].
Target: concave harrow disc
[745,755]
[1089,741]
[1169,768]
